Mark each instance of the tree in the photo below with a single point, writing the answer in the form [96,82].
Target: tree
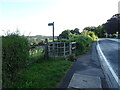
[75,31]
[90,28]
[112,25]
[66,34]
[99,30]
[90,34]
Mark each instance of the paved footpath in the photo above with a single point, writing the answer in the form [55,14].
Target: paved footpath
[87,67]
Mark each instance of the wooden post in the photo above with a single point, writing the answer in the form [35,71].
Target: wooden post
[64,48]
[70,48]
[57,49]
[46,49]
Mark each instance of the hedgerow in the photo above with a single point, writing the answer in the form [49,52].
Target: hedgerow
[15,55]
[83,43]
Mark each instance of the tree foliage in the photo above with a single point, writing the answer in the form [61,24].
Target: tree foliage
[66,34]
[113,24]
[83,43]
[99,30]
[89,34]
[75,31]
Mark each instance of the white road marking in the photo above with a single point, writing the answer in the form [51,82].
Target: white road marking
[109,66]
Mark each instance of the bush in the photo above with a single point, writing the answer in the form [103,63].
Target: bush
[82,43]
[71,57]
[89,34]
[114,35]
[15,54]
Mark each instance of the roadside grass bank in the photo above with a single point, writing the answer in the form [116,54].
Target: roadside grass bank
[45,74]
[26,68]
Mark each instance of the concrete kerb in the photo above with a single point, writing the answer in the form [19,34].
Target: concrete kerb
[111,78]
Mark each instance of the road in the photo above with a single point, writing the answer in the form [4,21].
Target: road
[110,50]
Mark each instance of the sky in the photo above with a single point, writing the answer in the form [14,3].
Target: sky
[31,17]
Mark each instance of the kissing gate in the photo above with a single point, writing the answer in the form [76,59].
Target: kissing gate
[61,49]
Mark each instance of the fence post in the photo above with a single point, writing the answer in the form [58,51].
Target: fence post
[70,48]
[46,49]
[64,48]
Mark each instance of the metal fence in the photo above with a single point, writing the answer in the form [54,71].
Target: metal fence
[61,49]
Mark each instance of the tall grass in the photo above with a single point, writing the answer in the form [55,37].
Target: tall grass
[45,74]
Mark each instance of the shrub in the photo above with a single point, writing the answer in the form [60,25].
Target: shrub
[114,35]
[71,57]
[15,53]
[90,34]
[82,43]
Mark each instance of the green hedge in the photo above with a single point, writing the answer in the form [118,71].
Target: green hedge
[15,54]
[89,34]
[83,43]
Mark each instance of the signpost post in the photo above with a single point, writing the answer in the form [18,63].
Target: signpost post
[52,24]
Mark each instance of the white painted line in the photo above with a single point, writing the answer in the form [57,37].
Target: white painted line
[109,66]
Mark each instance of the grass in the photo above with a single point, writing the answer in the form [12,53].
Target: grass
[45,74]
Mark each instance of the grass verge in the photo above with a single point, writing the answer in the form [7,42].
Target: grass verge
[45,74]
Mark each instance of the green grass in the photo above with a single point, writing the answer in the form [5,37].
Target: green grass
[45,74]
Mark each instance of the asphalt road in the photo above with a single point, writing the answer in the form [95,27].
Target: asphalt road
[111,51]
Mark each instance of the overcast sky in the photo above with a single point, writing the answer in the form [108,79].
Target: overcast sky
[34,15]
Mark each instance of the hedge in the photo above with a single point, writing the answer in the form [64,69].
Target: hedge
[15,54]
[83,43]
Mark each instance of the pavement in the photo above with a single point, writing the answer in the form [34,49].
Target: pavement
[86,72]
